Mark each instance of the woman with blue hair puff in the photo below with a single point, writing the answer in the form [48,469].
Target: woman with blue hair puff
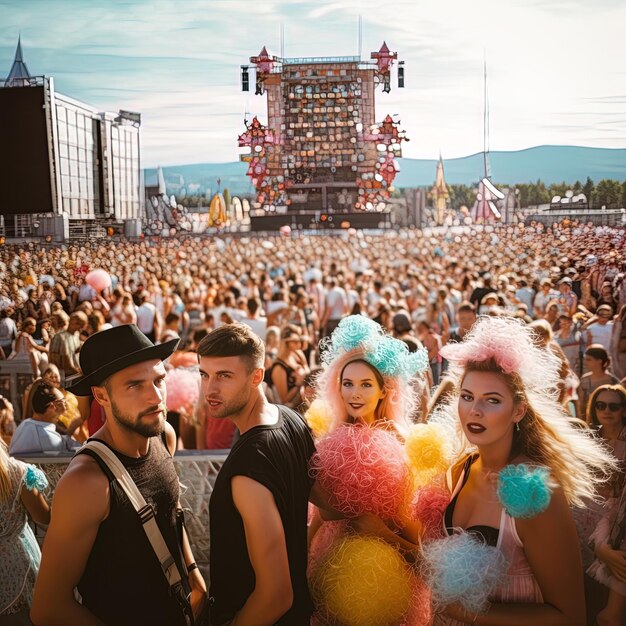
[511,555]
[21,487]
[361,561]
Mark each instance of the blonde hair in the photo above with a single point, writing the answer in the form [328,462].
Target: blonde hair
[397,405]
[5,480]
[591,405]
[547,434]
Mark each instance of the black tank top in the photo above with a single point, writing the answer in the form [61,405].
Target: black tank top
[123,584]
[291,376]
[276,456]
[488,534]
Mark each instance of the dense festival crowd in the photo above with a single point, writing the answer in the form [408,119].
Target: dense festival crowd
[427,325]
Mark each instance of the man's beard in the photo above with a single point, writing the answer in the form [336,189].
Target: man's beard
[137,425]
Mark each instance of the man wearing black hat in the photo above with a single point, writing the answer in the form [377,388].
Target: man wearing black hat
[96,542]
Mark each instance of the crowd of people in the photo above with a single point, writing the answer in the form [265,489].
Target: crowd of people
[478,356]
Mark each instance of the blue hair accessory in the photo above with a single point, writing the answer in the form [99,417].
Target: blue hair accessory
[524,491]
[35,479]
[391,357]
[462,569]
[355,331]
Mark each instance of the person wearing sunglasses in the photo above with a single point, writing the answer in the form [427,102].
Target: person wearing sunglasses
[607,413]
[288,371]
[38,434]
[597,363]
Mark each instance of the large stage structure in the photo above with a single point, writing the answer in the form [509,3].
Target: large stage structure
[68,169]
[322,159]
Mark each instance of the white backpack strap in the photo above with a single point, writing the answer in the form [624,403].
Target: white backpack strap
[145,511]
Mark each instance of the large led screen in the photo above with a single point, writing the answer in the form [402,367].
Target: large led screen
[24,163]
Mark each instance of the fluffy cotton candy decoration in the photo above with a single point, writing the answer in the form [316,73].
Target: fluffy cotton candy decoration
[524,491]
[462,569]
[354,331]
[34,478]
[183,390]
[364,470]
[318,418]
[420,613]
[511,344]
[428,450]
[428,507]
[391,357]
[446,417]
[363,582]
[327,535]
[98,279]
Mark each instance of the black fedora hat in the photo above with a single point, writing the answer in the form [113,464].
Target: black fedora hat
[114,349]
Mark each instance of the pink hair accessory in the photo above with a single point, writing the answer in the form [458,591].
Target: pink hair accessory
[514,348]
[479,351]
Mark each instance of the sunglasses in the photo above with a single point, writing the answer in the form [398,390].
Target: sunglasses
[611,406]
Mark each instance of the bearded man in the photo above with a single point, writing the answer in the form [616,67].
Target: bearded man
[96,542]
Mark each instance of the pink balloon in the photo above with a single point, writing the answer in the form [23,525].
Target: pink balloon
[183,390]
[98,279]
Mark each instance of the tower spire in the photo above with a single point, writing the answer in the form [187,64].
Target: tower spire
[18,51]
[19,76]
[439,193]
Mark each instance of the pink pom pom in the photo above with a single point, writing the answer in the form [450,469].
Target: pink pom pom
[98,279]
[428,507]
[364,470]
[324,538]
[183,390]
[504,355]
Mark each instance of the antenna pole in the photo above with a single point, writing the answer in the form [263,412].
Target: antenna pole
[282,41]
[360,36]
[485,115]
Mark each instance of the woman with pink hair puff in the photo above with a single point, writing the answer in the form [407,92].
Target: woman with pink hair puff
[362,556]
[511,554]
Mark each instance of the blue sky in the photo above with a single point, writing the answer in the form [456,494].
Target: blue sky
[557,68]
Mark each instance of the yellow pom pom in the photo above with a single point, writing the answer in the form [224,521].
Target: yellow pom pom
[363,581]
[318,418]
[428,451]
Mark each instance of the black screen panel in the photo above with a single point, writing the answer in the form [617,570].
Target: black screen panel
[24,163]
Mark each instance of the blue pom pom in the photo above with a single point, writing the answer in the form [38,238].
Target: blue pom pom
[355,331]
[35,479]
[417,362]
[524,491]
[391,357]
[462,569]
[388,356]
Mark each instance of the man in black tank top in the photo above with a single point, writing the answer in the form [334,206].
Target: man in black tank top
[258,508]
[96,542]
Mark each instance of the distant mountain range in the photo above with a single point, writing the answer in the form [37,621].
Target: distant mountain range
[551,164]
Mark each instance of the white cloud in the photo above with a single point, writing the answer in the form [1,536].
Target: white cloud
[555,66]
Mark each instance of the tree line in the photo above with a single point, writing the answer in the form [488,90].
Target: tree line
[609,193]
